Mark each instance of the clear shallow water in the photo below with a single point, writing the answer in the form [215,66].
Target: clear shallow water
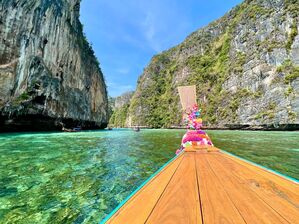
[76,177]
[276,150]
[81,177]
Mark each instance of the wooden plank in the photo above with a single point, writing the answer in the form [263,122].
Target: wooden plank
[216,205]
[192,149]
[251,207]
[278,180]
[226,190]
[180,201]
[213,149]
[138,208]
[281,200]
[201,148]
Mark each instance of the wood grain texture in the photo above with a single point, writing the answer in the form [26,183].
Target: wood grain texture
[201,148]
[283,182]
[138,208]
[216,205]
[279,198]
[212,187]
[180,200]
[252,208]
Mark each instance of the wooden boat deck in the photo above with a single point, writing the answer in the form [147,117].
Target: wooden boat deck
[212,187]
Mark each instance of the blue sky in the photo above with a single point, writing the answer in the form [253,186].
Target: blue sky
[126,34]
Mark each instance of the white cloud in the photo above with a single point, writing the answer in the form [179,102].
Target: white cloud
[150,29]
[116,89]
[123,71]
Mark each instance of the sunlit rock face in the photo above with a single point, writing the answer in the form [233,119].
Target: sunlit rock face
[245,66]
[120,108]
[49,75]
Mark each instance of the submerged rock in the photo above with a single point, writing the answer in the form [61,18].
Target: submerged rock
[49,75]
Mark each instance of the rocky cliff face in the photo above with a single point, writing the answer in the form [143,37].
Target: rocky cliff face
[120,109]
[245,67]
[49,75]
[122,100]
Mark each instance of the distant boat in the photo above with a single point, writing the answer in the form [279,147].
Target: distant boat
[71,129]
[136,129]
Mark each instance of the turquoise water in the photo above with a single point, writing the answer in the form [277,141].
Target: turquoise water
[276,150]
[81,177]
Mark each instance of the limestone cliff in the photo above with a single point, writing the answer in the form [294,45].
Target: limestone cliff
[120,110]
[245,66]
[49,75]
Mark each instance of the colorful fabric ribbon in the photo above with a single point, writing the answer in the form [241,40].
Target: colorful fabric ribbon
[194,135]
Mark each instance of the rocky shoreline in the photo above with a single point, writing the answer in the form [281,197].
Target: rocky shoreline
[39,122]
[270,127]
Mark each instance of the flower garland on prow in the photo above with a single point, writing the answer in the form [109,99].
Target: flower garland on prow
[193,120]
[194,135]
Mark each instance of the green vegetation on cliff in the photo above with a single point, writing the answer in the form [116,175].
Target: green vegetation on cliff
[292,35]
[119,108]
[233,63]
[209,72]
[158,97]
[290,70]
[118,118]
